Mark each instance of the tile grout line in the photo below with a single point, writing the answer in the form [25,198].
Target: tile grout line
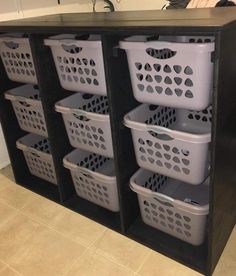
[86,250]
[10,267]
[7,265]
[75,261]
[51,228]
[143,262]
[108,257]
[62,234]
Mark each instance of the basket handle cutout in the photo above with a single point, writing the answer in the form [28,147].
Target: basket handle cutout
[72,49]
[165,203]
[160,53]
[87,96]
[11,45]
[81,117]
[161,136]
[25,104]
[35,154]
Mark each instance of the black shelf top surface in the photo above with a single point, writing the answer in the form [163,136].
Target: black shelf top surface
[209,18]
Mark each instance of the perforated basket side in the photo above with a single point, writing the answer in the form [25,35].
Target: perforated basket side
[93,177]
[171,74]
[38,156]
[17,59]
[182,220]
[162,149]
[87,123]
[79,65]
[28,109]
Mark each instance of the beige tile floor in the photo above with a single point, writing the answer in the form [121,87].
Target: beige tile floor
[40,237]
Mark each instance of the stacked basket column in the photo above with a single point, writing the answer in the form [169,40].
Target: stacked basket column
[18,62]
[80,68]
[171,142]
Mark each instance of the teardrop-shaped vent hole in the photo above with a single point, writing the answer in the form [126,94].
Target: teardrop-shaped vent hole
[168,91]
[166,147]
[149,89]
[147,67]
[178,92]
[178,80]
[167,69]
[141,87]
[94,73]
[168,80]
[188,83]
[82,80]
[139,76]
[149,78]
[138,65]
[87,71]
[188,70]
[157,67]
[158,78]
[189,94]
[159,89]
[177,68]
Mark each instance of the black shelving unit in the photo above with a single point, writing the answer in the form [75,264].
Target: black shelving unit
[220,23]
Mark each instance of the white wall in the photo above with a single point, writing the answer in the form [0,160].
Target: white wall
[4,158]
[11,9]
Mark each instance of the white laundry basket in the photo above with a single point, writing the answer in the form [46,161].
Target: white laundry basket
[28,108]
[172,206]
[17,58]
[172,142]
[79,63]
[94,178]
[172,74]
[87,122]
[38,156]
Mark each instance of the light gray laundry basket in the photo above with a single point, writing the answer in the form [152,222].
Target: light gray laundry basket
[172,206]
[79,63]
[87,122]
[94,178]
[38,156]
[172,142]
[17,58]
[170,73]
[28,108]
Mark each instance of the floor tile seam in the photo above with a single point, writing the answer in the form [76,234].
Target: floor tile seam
[75,261]
[143,261]
[53,229]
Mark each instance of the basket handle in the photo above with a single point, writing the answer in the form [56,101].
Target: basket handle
[23,147]
[157,129]
[163,199]
[11,97]
[72,42]
[73,167]
[79,112]
[173,46]
[67,110]
[11,44]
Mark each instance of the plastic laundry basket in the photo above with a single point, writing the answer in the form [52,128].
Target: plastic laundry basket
[17,58]
[172,206]
[87,122]
[94,178]
[171,73]
[79,63]
[28,108]
[173,142]
[38,156]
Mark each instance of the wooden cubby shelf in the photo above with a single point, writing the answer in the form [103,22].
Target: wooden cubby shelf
[113,27]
